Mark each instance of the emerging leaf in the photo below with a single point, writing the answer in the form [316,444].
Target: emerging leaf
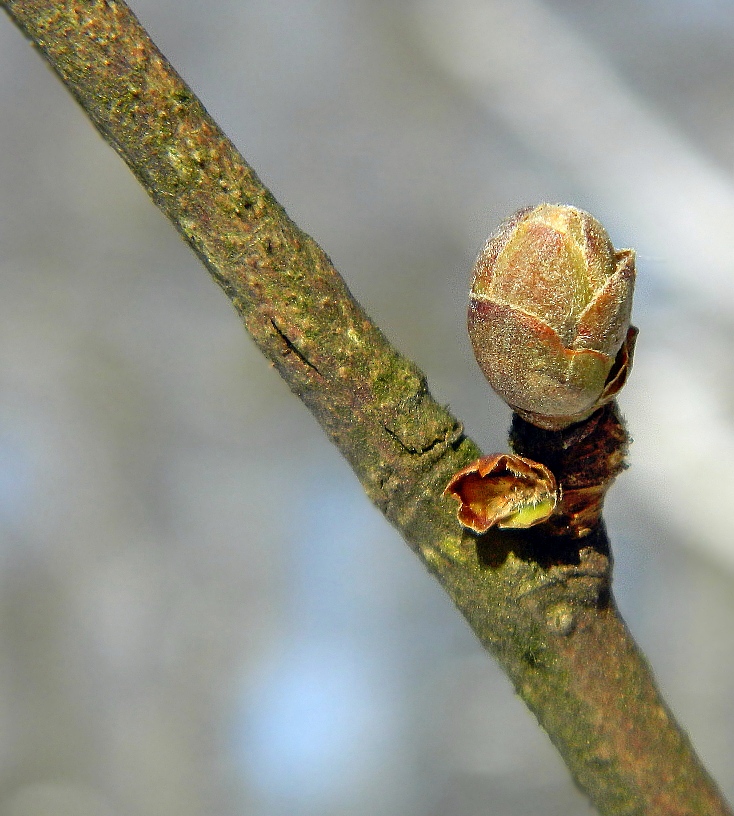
[503,490]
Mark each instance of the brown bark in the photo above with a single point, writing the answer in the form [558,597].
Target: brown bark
[541,604]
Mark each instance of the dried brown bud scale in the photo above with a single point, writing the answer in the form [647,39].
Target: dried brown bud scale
[503,490]
[585,459]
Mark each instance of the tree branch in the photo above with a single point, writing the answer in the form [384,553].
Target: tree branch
[543,608]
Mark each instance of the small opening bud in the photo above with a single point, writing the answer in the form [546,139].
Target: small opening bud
[503,490]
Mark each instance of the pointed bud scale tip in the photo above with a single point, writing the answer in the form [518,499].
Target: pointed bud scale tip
[549,314]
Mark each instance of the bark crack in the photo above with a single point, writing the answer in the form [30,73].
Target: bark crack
[292,348]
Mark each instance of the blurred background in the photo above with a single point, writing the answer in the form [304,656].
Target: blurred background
[170,641]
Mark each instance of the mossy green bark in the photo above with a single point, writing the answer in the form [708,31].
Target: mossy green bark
[546,615]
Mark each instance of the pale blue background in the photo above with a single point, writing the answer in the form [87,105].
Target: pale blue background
[199,611]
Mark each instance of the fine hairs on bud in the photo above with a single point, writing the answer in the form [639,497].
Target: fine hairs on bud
[549,314]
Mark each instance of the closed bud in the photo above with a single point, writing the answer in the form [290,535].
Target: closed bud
[549,314]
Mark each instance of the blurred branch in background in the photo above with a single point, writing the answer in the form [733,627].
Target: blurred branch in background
[282,342]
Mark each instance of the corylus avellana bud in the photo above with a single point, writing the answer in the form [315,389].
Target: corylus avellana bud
[549,314]
[503,490]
